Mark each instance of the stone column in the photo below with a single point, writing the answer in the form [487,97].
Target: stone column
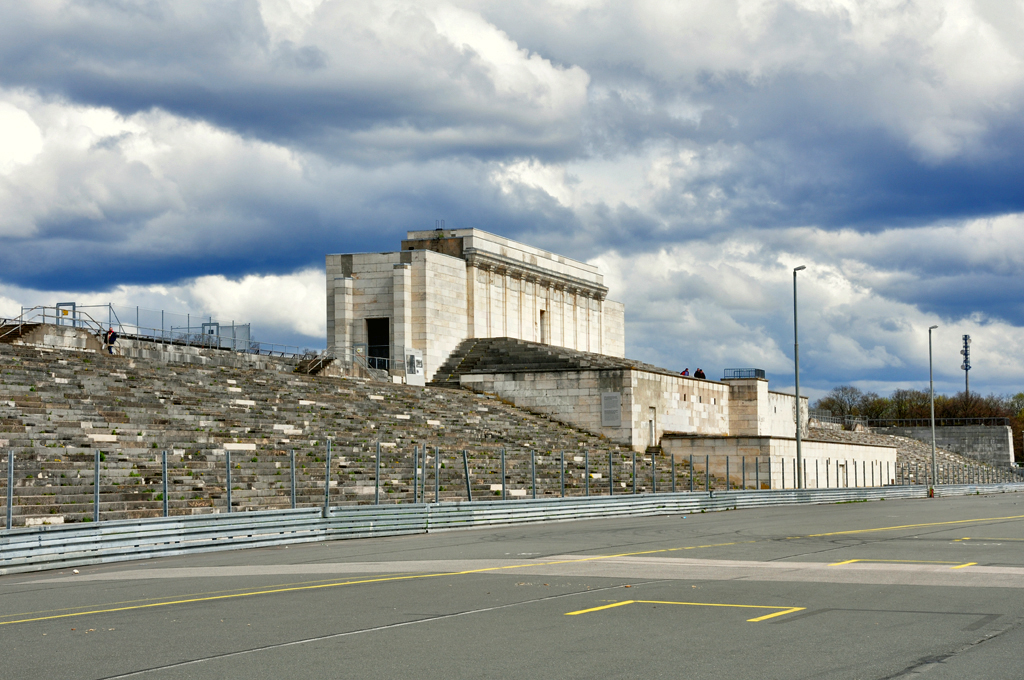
[504,304]
[401,324]
[341,343]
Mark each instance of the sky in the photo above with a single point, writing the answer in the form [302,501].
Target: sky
[204,156]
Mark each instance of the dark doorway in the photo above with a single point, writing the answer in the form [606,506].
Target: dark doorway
[378,341]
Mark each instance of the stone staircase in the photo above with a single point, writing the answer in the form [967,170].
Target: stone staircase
[58,408]
[10,332]
[510,355]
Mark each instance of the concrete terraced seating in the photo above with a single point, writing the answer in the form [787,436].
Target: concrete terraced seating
[915,456]
[508,355]
[58,408]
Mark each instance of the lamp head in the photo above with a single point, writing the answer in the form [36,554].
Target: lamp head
[796,269]
[931,328]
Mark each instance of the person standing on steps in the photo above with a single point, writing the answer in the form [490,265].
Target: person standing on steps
[109,339]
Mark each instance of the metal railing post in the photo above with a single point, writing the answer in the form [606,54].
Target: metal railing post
[96,487]
[437,473]
[227,466]
[707,473]
[673,473]
[376,478]
[691,472]
[757,472]
[533,472]
[465,467]
[634,473]
[327,481]
[10,488]
[503,473]
[654,473]
[415,472]
[293,477]
[727,484]
[743,472]
[611,476]
[561,470]
[586,470]
[164,468]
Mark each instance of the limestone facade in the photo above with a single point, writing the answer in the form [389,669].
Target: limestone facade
[442,288]
[639,407]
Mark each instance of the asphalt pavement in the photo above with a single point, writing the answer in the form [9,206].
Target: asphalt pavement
[886,589]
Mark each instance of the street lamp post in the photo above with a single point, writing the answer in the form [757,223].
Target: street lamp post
[796,358]
[931,390]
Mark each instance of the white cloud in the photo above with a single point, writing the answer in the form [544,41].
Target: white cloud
[20,138]
[729,304]
[277,306]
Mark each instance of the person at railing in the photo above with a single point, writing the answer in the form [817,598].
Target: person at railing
[109,339]
[686,371]
[699,373]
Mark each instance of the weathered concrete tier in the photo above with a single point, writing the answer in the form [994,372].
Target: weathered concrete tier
[827,464]
[992,444]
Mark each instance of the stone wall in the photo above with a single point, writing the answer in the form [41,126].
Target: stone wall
[63,337]
[439,305]
[754,410]
[613,332]
[986,443]
[572,397]
[674,403]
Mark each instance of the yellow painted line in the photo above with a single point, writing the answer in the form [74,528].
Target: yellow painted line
[837,564]
[597,609]
[772,616]
[482,570]
[344,583]
[969,564]
[784,610]
[160,600]
[912,526]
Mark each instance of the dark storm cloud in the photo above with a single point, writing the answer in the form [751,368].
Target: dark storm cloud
[217,62]
[697,149]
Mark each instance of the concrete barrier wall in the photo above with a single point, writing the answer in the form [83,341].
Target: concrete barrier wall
[991,444]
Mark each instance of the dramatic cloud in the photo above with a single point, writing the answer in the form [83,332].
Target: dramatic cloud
[204,156]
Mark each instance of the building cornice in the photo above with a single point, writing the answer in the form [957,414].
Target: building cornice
[490,261]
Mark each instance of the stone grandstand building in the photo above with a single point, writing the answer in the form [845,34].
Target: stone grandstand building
[466,308]
[417,304]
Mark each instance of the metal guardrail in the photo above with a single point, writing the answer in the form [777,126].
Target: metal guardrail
[183,337]
[740,373]
[939,422]
[59,546]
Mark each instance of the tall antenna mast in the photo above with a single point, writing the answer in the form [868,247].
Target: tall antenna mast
[966,366]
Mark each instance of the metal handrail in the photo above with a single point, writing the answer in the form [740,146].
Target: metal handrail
[940,422]
[82,319]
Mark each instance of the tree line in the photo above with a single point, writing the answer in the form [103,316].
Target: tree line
[847,400]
